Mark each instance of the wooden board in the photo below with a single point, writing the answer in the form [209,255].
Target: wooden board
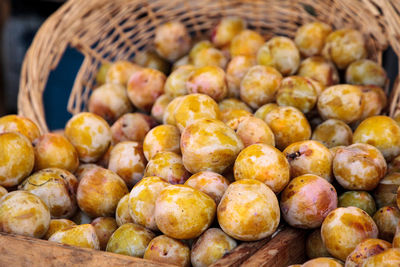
[241,253]
[286,248]
[16,250]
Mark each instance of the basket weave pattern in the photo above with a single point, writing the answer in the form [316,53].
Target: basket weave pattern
[104,31]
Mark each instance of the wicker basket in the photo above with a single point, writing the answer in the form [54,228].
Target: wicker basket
[105,30]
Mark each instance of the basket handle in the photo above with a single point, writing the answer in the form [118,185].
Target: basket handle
[41,58]
[391,17]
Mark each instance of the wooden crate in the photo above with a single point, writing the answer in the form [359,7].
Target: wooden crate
[284,248]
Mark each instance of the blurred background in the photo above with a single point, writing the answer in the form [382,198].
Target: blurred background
[19,21]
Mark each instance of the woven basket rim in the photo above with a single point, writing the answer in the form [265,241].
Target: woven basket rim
[48,45]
